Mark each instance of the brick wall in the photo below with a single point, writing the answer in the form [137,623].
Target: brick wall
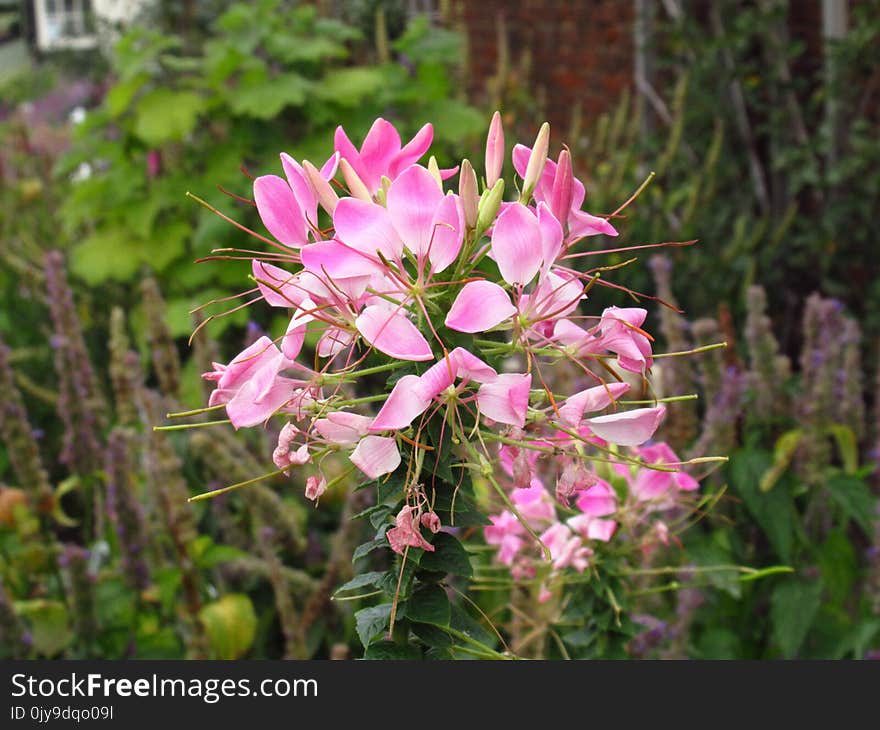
[581,53]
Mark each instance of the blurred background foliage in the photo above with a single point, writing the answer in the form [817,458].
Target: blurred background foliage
[766,155]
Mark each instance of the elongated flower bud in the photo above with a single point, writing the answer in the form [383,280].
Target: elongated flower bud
[356,186]
[537,160]
[467,191]
[490,203]
[494,150]
[324,191]
[434,169]
[560,202]
[81,588]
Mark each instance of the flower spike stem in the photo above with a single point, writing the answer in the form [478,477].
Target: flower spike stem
[223,490]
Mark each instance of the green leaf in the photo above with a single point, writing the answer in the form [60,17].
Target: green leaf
[106,254]
[433,636]
[350,86]
[120,96]
[429,605]
[371,622]
[449,556]
[368,547]
[386,650]
[215,555]
[265,99]
[361,581]
[230,624]
[164,115]
[855,499]
[50,629]
[839,565]
[847,446]
[774,510]
[793,606]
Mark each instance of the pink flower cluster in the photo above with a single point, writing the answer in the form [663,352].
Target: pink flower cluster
[397,268]
[571,534]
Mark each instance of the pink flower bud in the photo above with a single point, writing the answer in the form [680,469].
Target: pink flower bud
[494,150]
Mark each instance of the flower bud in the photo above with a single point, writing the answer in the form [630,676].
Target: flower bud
[324,191]
[467,191]
[560,201]
[494,150]
[356,186]
[434,169]
[490,203]
[537,160]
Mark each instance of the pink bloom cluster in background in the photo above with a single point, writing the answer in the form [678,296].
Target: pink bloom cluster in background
[644,498]
[397,266]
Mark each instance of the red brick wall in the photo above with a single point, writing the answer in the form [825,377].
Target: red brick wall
[581,52]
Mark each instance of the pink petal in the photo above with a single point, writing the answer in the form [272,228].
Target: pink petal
[447,230]
[344,147]
[293,339]
[563,180]
[391,332]
[479,306]
[380,146]
[342,427]
[334,341]
[506,399]
[469,366]
[251,406]
[338,261]
[366,227]
[587,401]
[629,428]
[283,292]
[437,378]
[376,455]
[517,244]
[406,532]
[551,234]
[412,199]
[301,187]
[315,487]
[261,355]
[581,224]
[597,501]
[412,151]
[280,211]
[404,404]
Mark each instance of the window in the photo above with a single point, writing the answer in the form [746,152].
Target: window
[64,24]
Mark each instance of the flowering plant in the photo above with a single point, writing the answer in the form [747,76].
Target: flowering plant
[470,304]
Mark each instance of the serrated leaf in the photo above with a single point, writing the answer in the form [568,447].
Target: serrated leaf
[265,99]
[368,547]
[371,622]
[793,607]
[389,650]
[164,115]
[429,605]
[855,499]
[449,556]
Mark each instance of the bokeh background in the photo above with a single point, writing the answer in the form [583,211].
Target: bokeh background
[760,120]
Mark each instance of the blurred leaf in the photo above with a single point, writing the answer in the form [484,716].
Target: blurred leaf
[164,115]
[855,499]
[265,99]
[847,447]
[839,566]
[774,510]
[231,624]
[783,452]
[106,254]
[349,86]
[793,606]
[50,630]
[386,650]
[361,581]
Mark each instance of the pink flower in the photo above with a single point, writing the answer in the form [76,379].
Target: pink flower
[284,456]
[381,153]
[557,186]
[566,548]
[494,150]
[431,521]
[376,456]
[505,533]
[479,306]
[315,487]
[506,399]
[571,412]
[406,532]
[575,477]
[534,504]
[388,329]
[627,428]
[650,484]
